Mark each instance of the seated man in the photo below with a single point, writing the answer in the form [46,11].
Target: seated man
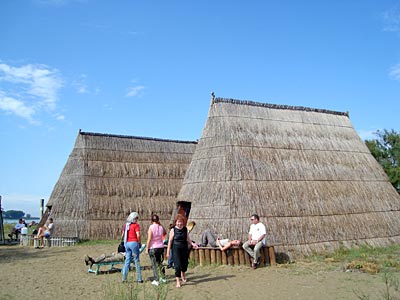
[226,244]
[17,229]
[46,231]
[256,239]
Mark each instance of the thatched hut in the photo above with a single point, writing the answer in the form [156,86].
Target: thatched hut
[108,176]
[305,171]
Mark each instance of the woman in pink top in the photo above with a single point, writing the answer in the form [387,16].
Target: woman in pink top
[155,247]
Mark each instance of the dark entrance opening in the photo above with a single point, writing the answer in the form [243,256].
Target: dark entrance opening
[183,209]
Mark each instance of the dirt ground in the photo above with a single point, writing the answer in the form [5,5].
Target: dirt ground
[60,273]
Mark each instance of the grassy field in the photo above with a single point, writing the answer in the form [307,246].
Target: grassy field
[360,273]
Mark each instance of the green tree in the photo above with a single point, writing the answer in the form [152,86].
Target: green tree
[386,150]
[13,214]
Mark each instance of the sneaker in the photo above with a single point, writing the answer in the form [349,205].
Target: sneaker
[155,282]
[140,281]
[163,280]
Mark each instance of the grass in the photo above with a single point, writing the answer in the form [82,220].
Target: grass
[97,242]
[133,291]
[364,258]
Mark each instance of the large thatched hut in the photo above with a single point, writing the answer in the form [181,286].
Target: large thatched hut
[305,171]
[108,176]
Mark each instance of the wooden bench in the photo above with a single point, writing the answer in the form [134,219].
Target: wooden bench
[110,263]
[233,256]
[95,268]
[30,240]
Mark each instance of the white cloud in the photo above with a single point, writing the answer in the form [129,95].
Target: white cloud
[395,72]
[17,107]
[37,86]
[391,19]
[60,117]
[80,84]
[134,91]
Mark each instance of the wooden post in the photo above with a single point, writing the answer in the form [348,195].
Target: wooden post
[229,255]
[236,256]
[196,257]
[191,255]
[262,257]
[223,258]
[201,257]
[207,256]
[41,208]
[213,256]
[272,259]
[247,258]
[242,261]
[218,255]
[266,255]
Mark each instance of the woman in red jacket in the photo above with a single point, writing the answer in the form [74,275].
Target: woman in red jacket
[132,242]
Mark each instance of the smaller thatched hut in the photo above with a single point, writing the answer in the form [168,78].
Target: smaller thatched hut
[108,176]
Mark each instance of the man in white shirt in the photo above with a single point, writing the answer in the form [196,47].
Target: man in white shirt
[17,229]
[256,239]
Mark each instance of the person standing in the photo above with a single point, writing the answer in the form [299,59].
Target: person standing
[132,243]
[256,239]
[155,248]
[179,241]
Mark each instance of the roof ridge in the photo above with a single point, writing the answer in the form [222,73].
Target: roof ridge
[135,137]
[277,106]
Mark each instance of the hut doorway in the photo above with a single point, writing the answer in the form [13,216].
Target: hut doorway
[183,209]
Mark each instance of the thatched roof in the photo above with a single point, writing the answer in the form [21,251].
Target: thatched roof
[305,171]
[108,176]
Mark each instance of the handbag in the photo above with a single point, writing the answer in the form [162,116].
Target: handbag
[121,247]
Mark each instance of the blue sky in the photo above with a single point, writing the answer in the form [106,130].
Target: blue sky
[147,68]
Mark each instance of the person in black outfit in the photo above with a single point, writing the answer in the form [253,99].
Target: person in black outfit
[180,241]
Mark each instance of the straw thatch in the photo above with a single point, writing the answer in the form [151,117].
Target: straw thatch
[108,176]
[305,171]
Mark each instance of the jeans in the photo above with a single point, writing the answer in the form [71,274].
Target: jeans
[253,250]
[132,248]
[208,237]
[170,259]
[156,258]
